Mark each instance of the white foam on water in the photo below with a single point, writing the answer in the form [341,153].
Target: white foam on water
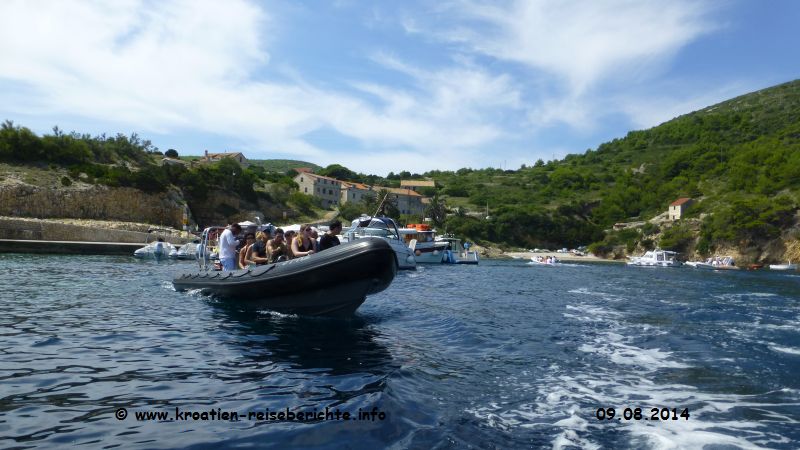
[590,313]
[740,296]
[276,314]
[602,295]
[568,402]
[789,350]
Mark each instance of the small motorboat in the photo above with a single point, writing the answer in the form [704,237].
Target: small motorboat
[188,250]
[545,261]
[332,282]
[717,263]
[385,228]
[456,253]
[788,266]
[157,250]
[655,258]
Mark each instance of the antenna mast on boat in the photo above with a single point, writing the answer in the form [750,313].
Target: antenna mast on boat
[380,205]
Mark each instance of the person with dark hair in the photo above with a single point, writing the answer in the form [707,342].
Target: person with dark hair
[248,242]
[329,239]
[276,247]
[227,247]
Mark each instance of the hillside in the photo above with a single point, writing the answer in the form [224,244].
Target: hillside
[740,159]
[125,178]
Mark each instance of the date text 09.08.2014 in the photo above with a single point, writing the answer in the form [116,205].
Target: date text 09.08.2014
[655,414]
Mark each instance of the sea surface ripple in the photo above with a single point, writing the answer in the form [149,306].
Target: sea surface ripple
[501,355]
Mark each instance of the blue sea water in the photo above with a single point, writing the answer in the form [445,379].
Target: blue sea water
[500,355]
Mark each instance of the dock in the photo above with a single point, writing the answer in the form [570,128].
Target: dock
[68,247]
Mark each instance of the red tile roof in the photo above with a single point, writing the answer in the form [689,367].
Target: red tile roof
[680,201]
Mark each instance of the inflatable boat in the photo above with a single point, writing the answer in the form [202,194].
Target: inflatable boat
[332,282]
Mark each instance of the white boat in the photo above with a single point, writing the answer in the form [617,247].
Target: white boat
[788,266]
[422,241]
[545,261]
[655,258]
[188,250]
[157,250]
[382,228]
[716,263]
[456,253]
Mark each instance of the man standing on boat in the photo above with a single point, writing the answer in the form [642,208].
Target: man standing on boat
[227,247]
[329,239]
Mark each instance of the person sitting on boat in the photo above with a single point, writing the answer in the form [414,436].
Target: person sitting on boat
[276,247]
[329,239]
[257,253]
[315,239]
[227,247]
[303,245]
[248,242]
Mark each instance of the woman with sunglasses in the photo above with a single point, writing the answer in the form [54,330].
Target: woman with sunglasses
[303,244]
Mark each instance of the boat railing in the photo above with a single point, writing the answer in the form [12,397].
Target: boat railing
[210,234]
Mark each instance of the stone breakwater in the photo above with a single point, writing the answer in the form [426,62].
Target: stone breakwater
[79,231]
[91,201]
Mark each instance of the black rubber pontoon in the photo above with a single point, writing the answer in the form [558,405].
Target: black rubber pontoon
[333,282]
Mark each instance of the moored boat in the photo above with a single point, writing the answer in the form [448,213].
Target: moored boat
[716,263]
[383,228]
[188,250]
[655,258]
[456,253]
[787,266]
[157,249]
[421,239]
[333,282]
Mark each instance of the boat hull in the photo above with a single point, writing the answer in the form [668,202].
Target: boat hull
[333,282]
[707,266]
[654,264]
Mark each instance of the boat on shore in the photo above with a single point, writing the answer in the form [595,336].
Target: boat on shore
[656,258]
[334,282]
[716,263]
[384,228]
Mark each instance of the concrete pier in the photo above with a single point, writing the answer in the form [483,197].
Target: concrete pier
[68,247]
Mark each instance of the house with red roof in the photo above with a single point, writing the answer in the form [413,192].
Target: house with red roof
[678,207]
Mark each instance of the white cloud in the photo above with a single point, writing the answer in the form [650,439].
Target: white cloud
[208,67]
[585,42]
[166,66]
[570,49]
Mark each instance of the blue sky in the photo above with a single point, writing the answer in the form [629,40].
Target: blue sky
[385,86]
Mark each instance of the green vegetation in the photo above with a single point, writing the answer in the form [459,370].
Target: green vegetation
[732,158]
[739,160]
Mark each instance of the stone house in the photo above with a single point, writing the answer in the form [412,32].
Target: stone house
[214,157]
[355,192]
[678,207]
[408,201]
[327,189]
[416,185]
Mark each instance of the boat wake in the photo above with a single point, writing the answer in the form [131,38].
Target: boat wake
[627,371]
